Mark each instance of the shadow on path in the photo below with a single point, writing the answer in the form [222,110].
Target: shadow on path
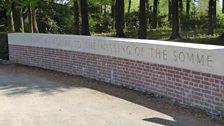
[165,122]
[16,81]
[20,80]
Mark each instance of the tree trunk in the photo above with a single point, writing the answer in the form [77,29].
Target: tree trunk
[35,26]
[175,20]
[85,19]
[105,10]
[188,8]
[129,6]
[210,18]
[170,11]
[113,13]
[10,16]
[214,13]
[30,20]
[147,12]
[142,20]
[101,6]
[76,17]
[113,8]
[155,14]
[222,6]
[18,18]
[147,7]
[181,5]
[181,8]
[119,18]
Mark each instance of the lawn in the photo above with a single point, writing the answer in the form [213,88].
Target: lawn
[197,36]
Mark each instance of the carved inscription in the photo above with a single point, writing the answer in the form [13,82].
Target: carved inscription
[193,58]
[121,49]
[157,54]
[182,57]
[153,53]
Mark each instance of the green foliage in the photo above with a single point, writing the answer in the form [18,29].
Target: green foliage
[2,5]
[132,22]
[220,21]
[4,53]
[25,3]
[3,19]
[55,18]
[49,24]
[101,23]
[134,5]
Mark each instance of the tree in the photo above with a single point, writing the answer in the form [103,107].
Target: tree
[147,7]
[35,27]
[10,16]
[222,6]
[170,10]
[104,6]
[119,18]
[211,17]
[155,14]
[18,16]
[148,11]
[175,20]
[76,17]
[222,12]
[129,6]
[84,16]
[142,20]
[32,21]
[188,7]
[214,13]
[3,16]
[112,8]
[180,11]
[181,5]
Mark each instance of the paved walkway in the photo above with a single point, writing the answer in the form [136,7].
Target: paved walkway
[34,97]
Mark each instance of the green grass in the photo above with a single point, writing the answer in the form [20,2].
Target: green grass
[205,40]
[196,36]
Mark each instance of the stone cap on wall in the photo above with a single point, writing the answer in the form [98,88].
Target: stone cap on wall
[196,57]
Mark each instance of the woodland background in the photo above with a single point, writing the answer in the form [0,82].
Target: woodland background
[195,21]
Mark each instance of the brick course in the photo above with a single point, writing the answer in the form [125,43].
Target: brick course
[199,90]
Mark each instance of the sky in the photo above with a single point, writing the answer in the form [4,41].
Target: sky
[221,2]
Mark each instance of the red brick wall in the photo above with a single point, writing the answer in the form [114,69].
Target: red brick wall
[196,89]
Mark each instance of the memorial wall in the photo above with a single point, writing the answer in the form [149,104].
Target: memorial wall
[190,74]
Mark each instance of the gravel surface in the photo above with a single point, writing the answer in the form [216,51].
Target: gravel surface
[36,97]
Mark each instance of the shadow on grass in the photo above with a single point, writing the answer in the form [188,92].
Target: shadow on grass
[206,40]
[198,36]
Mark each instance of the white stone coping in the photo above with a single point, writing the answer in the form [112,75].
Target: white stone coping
[197,57]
